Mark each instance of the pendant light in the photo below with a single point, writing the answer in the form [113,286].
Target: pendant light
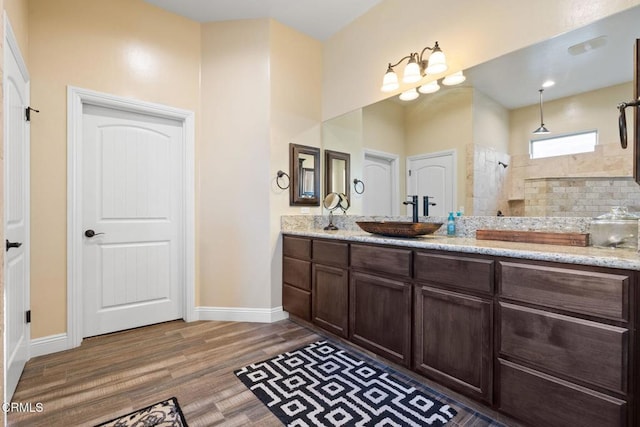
[541,130]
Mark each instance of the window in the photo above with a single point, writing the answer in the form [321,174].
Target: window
[583,142]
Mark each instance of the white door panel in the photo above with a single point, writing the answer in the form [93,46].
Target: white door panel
[131,182]
[16,214]
[433,175]
[380,179]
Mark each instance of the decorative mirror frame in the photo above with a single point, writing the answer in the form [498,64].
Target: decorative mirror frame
[295,150]
[636,121]
[329,156]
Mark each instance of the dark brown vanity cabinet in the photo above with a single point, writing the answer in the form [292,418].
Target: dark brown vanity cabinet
[296,276]
[453,329]
[564,339]
[546,343]
[380,301]
[330,283]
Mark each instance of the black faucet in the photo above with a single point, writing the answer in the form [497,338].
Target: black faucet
[414,202]
[426,203]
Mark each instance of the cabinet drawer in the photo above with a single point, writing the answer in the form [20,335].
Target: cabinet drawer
[296,247]
[588,292]
[581,349]
[296,301]
[462,272]
[542,400]
[396,262]
[296,272]
[331,253]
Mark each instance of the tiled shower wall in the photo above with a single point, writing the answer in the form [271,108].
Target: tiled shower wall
[579,197]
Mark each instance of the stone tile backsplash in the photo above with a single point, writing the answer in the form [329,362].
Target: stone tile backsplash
[579,197]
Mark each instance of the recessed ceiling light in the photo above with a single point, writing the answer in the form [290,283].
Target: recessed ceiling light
[548,83]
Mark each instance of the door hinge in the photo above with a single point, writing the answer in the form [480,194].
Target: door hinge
[27,113]
[409,172]
[28,316]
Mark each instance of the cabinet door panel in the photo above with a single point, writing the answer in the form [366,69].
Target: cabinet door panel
[589,351]
[297,273]
[380,316]
[330,299]
[542,400]
[453,340]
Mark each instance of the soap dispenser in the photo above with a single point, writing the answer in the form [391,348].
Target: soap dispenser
[451,225]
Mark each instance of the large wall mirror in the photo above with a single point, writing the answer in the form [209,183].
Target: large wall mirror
[304,165]
[488,121]
[337,166]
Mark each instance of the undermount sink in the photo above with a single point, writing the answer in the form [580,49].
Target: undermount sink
[398,228]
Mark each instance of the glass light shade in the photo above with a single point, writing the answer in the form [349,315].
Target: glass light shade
[430,87]
[390,82]
[437,63]
[541,130]
[409,95]
[454,79]
[412,72]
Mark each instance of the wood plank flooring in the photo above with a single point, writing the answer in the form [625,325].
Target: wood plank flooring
[111,375]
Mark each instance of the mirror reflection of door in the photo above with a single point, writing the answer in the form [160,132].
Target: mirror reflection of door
[381,177]
[433,175]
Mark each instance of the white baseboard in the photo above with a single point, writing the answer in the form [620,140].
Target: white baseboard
[49,344]
[242,314]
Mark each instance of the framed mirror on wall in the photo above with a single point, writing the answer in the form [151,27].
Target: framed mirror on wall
[304,165]
[336,172]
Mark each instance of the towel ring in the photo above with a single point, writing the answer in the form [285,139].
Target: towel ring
[356,181]
[280,175]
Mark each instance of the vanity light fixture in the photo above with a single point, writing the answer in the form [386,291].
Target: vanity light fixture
[431,87]
[409,95]
[417,67]
[454,79]
[541,130]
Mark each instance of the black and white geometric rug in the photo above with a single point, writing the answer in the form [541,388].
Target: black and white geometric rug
[324,385]
[162,414]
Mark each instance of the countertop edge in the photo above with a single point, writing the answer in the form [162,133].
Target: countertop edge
[599,257]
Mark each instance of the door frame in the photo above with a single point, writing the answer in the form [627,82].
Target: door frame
[454,159]
[76,98]
[394,160]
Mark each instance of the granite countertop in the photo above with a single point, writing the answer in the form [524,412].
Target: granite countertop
[612,258]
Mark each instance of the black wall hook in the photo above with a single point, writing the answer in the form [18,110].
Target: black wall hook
[27,113]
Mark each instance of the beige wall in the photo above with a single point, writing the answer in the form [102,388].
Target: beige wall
[295,115]
[253,73]
[469,32]
[123,47]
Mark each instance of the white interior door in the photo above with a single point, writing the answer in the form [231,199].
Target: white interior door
[131,183]
[16,214]
[381,184]
[433,175]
